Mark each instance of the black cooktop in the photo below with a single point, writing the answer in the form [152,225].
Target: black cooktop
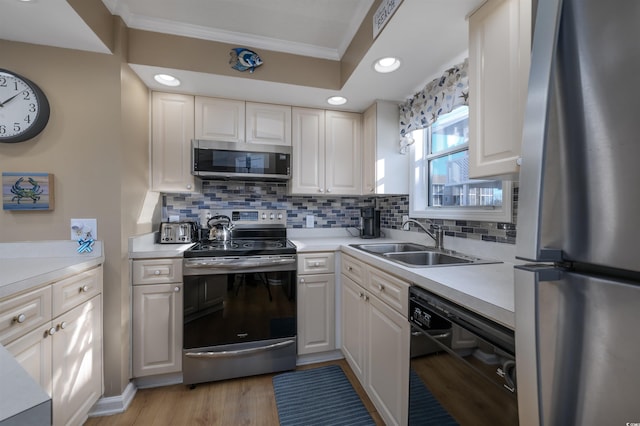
[241,247]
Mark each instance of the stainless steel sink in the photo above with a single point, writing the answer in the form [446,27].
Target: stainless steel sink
[381,248]
[419,256]
[426,258]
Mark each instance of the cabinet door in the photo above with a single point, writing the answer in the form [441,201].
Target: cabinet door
[171,134]
[268,124]
[33,353]
[354,326]
[157,329]
[387,369]
[219,119]
[343,153]
[316,313]
[499,59]
[308,162]
[77,362]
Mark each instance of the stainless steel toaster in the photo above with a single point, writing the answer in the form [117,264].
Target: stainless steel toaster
[177,232]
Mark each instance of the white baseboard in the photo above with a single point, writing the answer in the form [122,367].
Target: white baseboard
[319,357]
[109,405]
[158,380]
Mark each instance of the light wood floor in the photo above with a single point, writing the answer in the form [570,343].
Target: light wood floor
[244,401]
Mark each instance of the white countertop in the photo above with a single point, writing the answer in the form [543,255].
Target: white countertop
[145,247]
[483,288]
[27,265]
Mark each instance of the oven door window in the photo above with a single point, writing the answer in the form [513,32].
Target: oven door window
[235,308]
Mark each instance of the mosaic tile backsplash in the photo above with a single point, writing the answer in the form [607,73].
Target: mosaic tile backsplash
[329,212]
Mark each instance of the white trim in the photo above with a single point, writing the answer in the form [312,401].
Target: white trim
[319,357]
[107,406]
[158,380]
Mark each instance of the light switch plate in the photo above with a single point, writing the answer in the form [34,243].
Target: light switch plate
[84,228]
[405,218]
[310,221]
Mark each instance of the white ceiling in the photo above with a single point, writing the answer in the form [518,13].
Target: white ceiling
[428,36]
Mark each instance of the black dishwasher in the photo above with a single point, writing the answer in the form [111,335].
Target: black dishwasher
[465,360]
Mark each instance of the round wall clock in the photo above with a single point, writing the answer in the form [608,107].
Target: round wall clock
[24,108]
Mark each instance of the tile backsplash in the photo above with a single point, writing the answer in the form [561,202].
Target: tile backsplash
[329,212]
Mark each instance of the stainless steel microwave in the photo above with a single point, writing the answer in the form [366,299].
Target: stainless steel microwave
[240,161]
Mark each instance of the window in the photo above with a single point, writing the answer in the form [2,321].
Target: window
[440,184]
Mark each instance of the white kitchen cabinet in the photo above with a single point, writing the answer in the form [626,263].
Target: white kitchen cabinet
[375,336]
[268,124]
[316,302]
[384,169]
[327,150]
[63,353]
[219,119]
[499,59]
[157,317]
[172,118]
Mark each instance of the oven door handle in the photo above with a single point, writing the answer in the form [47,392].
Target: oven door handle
[236,263]
[250,351]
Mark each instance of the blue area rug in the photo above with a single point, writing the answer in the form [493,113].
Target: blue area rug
[320,396]
[424,408]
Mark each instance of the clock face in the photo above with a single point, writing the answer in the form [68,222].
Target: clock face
[24,109]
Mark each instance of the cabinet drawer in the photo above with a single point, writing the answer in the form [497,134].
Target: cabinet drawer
[75,290]
[155,271]
[316,263]
[391,290]
[21,314]
[354,269]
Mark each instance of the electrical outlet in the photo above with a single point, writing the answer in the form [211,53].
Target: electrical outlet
[84,229]
[310,221]
[404,219]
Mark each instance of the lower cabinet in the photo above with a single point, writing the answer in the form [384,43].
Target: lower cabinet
[64,353]
[157,317]
[375,339]
[316,303]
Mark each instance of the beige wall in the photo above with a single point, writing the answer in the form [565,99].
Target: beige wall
[96,145]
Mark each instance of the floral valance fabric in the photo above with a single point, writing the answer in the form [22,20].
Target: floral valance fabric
[440,96]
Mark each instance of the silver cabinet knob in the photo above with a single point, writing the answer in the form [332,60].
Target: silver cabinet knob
[52,331]
[156,272]
[366,298]
[176,289]
[189,186]
[84,289]
[349,268]
[316,264]
[302,280]
[20,318]
[320,190]
[63,325]
[361,295]
[380,287]
[328,189]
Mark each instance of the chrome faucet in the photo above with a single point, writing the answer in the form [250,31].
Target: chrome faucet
[437,235]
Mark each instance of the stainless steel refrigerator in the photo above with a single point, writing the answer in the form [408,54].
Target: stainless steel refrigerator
[578,310]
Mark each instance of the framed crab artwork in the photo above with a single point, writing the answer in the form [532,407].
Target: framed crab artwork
[27,191]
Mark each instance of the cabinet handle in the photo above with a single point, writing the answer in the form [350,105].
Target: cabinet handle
[156,272]
[51,331]
[366,298]
[176,289]
[361,295]
[63,325]
[84,289]
[320,190]
[188,186]
[372,189]
[20,318]
[349,268]
[316,264]
[380,287]
[302,280]
[328,189]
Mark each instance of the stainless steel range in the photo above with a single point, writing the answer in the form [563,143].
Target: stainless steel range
[240,298]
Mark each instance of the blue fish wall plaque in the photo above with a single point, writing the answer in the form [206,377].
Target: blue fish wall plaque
[244,59]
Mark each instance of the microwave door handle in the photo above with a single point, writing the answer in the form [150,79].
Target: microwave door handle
[534,138]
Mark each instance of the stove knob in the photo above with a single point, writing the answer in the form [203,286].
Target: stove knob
[264,216]
[272,216]
[280,216]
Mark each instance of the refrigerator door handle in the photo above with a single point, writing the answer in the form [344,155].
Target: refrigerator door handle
[534,139]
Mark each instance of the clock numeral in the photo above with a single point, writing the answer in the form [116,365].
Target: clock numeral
[16,127]
[32,107]
[3,82]
[3,129]
[27,119]
[27,96]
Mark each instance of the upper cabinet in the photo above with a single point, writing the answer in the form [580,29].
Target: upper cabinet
[327,150]
[171,134]
[268,124]
[499,59]
[219,119]
[384,169]
[238,121]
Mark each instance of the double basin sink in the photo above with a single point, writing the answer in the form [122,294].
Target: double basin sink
[419,256]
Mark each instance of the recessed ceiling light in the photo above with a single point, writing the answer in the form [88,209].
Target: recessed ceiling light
[167,80]
[388,64]
[337,100]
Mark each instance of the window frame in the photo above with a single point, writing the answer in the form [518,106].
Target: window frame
[419,187]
